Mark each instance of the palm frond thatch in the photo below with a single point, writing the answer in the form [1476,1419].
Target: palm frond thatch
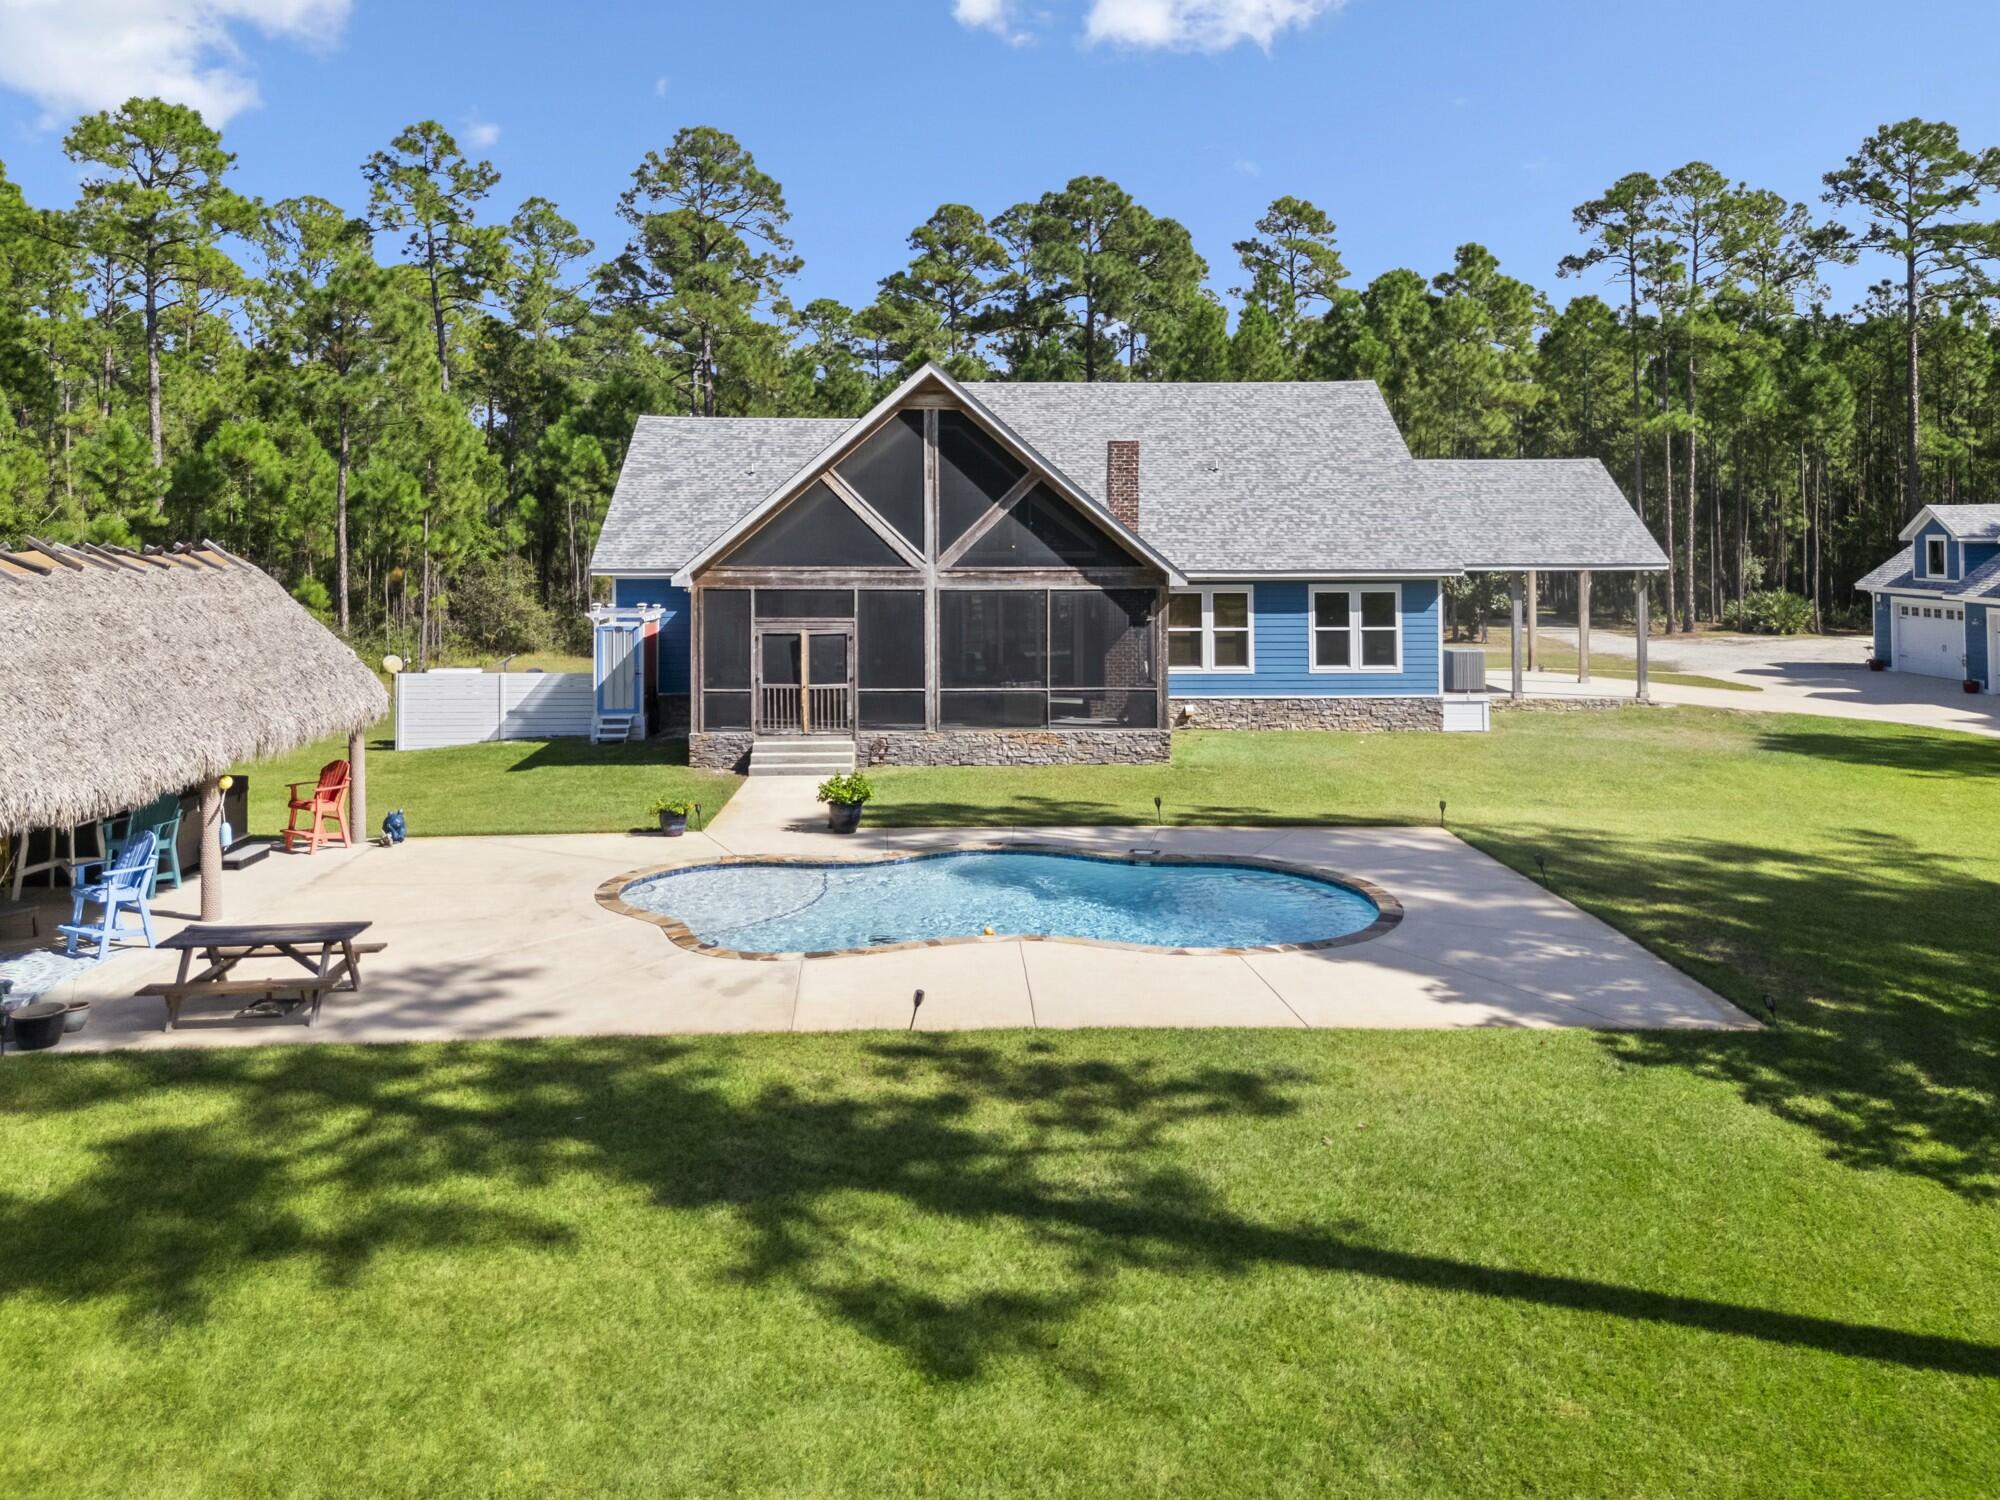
[125,676]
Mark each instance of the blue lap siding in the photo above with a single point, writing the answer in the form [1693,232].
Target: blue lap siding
[1280,634]
[1975,643]
[674,633]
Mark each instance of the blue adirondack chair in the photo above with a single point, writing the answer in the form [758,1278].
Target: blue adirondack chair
[162,818]
[121,888]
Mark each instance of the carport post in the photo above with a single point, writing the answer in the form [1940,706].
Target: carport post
[1583,626]
[1514,632]
[357,781]
[1534,608]
[1640,605]
[211,850]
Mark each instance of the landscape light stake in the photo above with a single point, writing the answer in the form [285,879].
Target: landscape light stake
[916,1004]
[697,817]
[1156,812]
[1440,812]
[1542,865]
[1771,1009]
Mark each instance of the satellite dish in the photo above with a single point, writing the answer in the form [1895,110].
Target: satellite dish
[392,664]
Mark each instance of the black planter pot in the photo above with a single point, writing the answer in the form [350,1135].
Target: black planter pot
[673,825]
[39,1025]
[1973,684]
[78,1016]
[1876,664]
[843,817]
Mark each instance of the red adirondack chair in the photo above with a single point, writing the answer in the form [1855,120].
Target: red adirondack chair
[324,803]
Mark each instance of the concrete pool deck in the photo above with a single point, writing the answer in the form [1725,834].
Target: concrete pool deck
[503,937]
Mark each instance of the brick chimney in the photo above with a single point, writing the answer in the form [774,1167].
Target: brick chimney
[1121,481]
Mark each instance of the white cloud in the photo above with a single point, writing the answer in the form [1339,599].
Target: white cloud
[481,134]
[660,87]
[1248,168]
[1197,25]
[75,56]
[996,16]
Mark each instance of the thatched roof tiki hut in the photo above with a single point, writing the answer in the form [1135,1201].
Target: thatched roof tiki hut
[125,676]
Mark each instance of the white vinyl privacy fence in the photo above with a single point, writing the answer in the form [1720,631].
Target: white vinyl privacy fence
[465,707]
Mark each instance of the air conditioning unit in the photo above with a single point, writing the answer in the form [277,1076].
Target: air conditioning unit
[1464,670]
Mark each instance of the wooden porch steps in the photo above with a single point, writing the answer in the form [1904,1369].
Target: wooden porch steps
[801,755]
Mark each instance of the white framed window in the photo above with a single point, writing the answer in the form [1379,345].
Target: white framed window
[1934,556]
[1357,629]
[1210,630]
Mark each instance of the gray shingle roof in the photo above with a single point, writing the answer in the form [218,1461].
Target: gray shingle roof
[1245,477]
[1233,479]
[1554,513]
[1970,523]
[1983,582]
[686,480]
[1899,572]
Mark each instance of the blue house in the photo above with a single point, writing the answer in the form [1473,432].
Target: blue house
[1937,602]
[972,574]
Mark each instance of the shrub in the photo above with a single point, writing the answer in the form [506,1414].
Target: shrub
[494,609]
[845,791]
[313,594]
[1769,612]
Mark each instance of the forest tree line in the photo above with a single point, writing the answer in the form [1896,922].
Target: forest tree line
[411,406]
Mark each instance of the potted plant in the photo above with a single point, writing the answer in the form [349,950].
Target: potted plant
[1877,664]
[843,796]
[673,813]
[1974,685]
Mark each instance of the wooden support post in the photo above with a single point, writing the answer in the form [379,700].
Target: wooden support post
[211,850]
[1514,631]
[357,786]
[1583,627]
[1534,598]
[1641,607]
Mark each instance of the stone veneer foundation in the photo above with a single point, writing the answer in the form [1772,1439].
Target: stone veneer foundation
[1555,703]
[1016,747]
[729,750]
[1308,713]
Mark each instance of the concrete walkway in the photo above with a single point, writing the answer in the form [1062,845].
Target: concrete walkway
[1826,676]
[502,937]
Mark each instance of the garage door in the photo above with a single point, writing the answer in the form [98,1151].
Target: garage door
[1930,638]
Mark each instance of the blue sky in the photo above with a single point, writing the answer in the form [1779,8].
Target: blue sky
[1417,126]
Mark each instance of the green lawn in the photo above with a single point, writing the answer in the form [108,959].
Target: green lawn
[1220,1263]
[504,786]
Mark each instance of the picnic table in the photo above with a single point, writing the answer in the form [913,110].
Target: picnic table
[326,951]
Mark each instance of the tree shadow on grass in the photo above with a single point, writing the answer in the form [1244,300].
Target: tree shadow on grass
[1922,752]
[326,1159]
[1878,956]
[1080,812]
[579,751]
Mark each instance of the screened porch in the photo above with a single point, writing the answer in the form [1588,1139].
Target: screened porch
[930,577]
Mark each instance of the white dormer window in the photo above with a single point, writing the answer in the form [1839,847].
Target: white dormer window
[1934,554]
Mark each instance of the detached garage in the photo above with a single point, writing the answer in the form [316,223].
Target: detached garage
[1929,638]
[1937,602]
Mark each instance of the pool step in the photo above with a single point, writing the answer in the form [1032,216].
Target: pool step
[800,756]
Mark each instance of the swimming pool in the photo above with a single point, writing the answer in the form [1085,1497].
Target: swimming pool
[771,906]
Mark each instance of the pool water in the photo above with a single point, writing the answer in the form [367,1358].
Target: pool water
[793,908]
